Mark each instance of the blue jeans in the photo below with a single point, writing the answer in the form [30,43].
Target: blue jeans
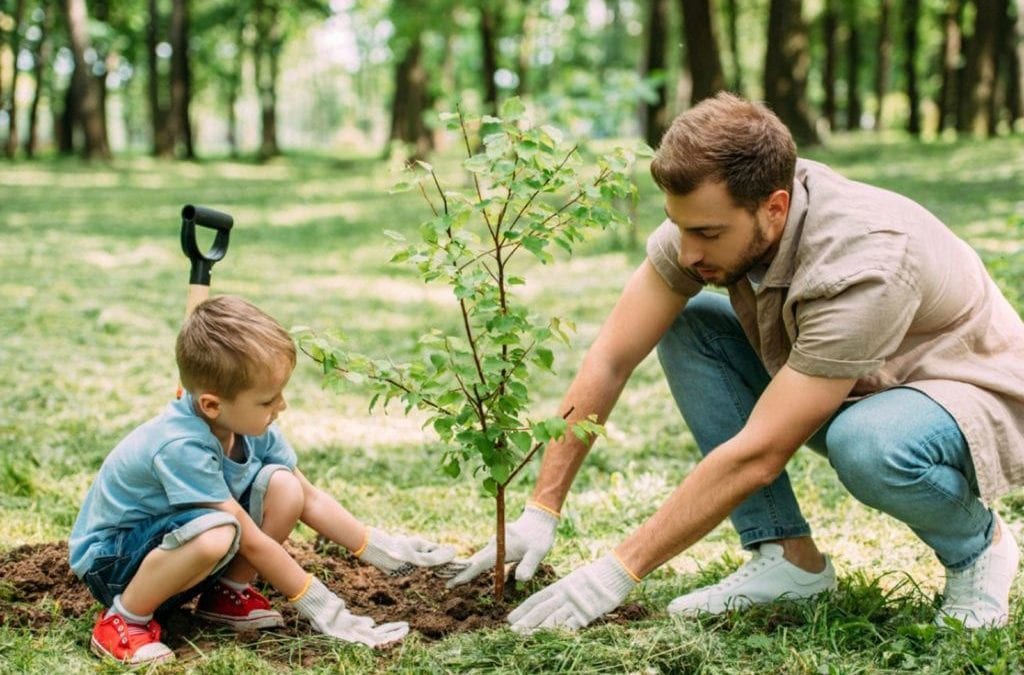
[117,564]
[897,451]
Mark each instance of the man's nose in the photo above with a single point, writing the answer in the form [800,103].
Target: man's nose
[689,255]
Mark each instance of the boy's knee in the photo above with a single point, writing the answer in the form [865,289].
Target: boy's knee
[284,492]
[214,544]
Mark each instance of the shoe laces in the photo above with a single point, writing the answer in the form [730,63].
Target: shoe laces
[745,571]
[962,585]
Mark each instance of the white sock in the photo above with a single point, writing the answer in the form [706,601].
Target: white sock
[118,608]
[234,585]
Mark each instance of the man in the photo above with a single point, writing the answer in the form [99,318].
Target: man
[855,323]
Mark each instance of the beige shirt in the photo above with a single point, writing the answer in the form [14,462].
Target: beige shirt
[867,284]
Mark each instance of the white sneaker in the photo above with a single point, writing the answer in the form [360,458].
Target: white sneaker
[979,596]
[764,578]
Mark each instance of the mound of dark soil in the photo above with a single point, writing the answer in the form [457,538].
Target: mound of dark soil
[38,588]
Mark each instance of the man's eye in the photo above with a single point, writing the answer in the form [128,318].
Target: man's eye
[708,235]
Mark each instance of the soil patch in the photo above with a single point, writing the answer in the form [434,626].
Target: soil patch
[37,588]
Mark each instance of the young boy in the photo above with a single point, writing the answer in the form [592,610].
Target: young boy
[198,499]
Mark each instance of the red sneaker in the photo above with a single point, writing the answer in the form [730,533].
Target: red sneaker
[131,643]
[242,610]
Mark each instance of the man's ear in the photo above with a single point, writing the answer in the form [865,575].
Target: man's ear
[776,209]
[208,405]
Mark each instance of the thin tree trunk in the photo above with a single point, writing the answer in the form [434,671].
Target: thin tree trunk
[90,115]
[654,114]
[234,86]
[981,66]
[1015,75]
[489,22]
[42,56]
[732,20]
[411,100]
[950,61]
[883,60]
[701,47]
[499,552]
[854,108]
[11,149]
[829,28]
[785,72]
[179,125]
[163,140]
[526,47]
[911,16]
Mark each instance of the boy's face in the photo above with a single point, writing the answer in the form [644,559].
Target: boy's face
[253,409]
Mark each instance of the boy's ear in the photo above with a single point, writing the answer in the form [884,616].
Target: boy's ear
[208,405]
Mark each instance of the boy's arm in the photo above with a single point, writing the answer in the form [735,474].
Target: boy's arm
[271,561]
[390,553]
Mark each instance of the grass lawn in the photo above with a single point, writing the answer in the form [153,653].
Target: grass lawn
[92,291]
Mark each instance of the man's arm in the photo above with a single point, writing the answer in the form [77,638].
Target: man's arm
[643,313]
[791,409]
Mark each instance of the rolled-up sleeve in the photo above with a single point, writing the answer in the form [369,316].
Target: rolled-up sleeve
[853,327]
[663,252]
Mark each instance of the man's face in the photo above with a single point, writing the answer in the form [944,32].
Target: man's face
[723,241]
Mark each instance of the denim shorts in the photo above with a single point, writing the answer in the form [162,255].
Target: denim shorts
[118,562]
[252,499]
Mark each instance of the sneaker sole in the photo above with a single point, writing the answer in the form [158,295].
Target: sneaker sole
[256,623]
[98,649]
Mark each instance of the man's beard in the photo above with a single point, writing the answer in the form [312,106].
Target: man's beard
[757,252]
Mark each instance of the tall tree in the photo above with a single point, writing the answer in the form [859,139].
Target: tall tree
[41,55]
[411,98]
[11,147]
[178,121]
[785,70]
[732,20]
[701,47]
[90,115]
[163,136]
[654,114]
[1015,76]
[911,18]
[267,58]
[829,30]
[981,67]
[490,21]
[883,60]
[854,108]
[950,60]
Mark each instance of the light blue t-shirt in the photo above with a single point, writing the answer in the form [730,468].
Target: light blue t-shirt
[172,461]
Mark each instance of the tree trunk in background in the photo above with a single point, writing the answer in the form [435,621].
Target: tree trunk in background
[234,86]
[100,11]
[883,60]
[829,28]
[266,54]
[654,115]
[732,19]
[163,142]
[67,121]
[854,108]
[11,148]
[616,37]
[90,115]
[490,20]
[785,70]
[701,47]
[178,122]
[526,47]
[950,60]
[411,100]
[911,17]
[1015,73]
[981,67]
[42,56]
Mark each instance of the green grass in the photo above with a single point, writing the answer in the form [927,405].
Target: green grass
[92,288]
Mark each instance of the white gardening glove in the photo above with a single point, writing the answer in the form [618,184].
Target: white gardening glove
[576,600]
[327,612]
[527,541]
[397,554]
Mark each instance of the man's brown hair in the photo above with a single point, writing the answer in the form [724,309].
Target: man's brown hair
[729,139]
[227,345]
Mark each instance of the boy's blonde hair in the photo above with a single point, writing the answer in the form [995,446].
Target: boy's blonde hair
[227,344]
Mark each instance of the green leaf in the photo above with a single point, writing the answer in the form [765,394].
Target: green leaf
[490,486]
[396,236]
[512,109]
[545,357]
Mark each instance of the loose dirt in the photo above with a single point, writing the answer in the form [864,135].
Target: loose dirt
[37,589]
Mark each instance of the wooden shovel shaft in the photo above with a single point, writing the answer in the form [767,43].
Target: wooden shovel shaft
[196,294]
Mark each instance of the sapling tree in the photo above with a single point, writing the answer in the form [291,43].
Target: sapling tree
[527,191]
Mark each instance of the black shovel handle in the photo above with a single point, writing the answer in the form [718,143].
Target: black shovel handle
[202,263]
